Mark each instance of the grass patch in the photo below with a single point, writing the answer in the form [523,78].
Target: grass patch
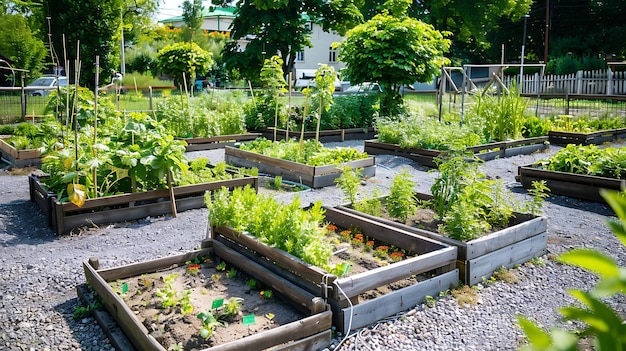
[465,295]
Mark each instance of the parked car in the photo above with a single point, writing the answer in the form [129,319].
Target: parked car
[366,87]
[44,85]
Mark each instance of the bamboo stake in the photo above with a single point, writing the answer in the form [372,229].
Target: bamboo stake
[172,198]
[289,109]
[276,117]
[306,100]
[74,119]
[187,99]
[319,118]
[252,93]
[95,126]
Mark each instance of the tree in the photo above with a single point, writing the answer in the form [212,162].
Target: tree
[393,49]
[192,16]
[184,61]
[279,27]
[95,25]
[21,45]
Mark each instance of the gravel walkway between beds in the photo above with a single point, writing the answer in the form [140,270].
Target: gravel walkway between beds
[40,270]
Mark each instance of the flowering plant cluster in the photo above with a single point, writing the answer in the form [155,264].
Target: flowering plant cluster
[358,240]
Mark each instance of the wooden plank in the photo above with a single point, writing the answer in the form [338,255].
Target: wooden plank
[119,310]
[270,161]
[303,298]
[357,284]
[315,342]
[293,331]
[505,237]
[382,307]
[151,266]
[110,327]
[314,287]
[305,270]
[383,232]
[569,184]
[508,256]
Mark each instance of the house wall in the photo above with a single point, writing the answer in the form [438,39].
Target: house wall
[319,52]
[211,24]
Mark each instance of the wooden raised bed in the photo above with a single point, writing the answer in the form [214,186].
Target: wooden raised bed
[325,136]
[217,142]
[485,152]
[20,158]
[312,176]
[596,138]
[310,333]
[579,186]
[63,217]
[434,257]
[479,258]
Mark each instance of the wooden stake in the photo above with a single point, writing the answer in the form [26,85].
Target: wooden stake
[172,198]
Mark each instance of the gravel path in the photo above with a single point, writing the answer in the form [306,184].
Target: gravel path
[39,270]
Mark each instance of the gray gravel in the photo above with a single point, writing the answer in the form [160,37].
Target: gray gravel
[39,270]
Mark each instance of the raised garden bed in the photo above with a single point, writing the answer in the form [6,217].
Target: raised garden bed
[20,158]
[217,142]
[63,217]
[485,152]
[579,186]
[325,136]
[372,294]
[522,240]
[312,176]
[302,321]
[595,138]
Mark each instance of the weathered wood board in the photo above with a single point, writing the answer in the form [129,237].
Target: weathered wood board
[484,152]
[310,333]
[524,239]
[434,257]
[20,158]
[579,186]
[64,217]
[325,136]
[218,142]
[596,138]
[313,176]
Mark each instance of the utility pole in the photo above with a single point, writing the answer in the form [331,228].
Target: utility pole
[521,69]
[547,36]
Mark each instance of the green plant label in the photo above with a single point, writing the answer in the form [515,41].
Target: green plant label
[217,303]
[249,319]
[124,288]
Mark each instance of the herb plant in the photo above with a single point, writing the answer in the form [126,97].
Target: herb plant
[284,226]
[401,200]
[590,160]
[312,152]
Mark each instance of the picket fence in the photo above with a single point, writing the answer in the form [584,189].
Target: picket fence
[598,82]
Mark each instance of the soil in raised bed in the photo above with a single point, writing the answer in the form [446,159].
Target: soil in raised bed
[362,259]
[206,288]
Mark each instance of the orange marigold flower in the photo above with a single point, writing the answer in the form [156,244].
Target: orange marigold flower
[370,243]
[383,248]
[345,233]
[332,227]
[396,256]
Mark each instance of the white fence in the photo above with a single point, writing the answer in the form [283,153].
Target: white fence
[600,82]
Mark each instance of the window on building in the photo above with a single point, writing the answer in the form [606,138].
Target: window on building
[300,56]
[308,26]
[332,54]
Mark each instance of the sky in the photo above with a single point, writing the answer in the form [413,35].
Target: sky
[172,8]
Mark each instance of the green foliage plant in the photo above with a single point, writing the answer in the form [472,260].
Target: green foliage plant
[284,226]
[349,182]
[209,323]
[184,61]
[168,294]
[393,49]
[401,202]
[589,160]
[312,152]
[602,324]
[503,115]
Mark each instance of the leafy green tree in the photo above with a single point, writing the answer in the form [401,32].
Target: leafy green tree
[95,25]
[21,45]
[184,61]
[279,28]
[192,16]
[393,49]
